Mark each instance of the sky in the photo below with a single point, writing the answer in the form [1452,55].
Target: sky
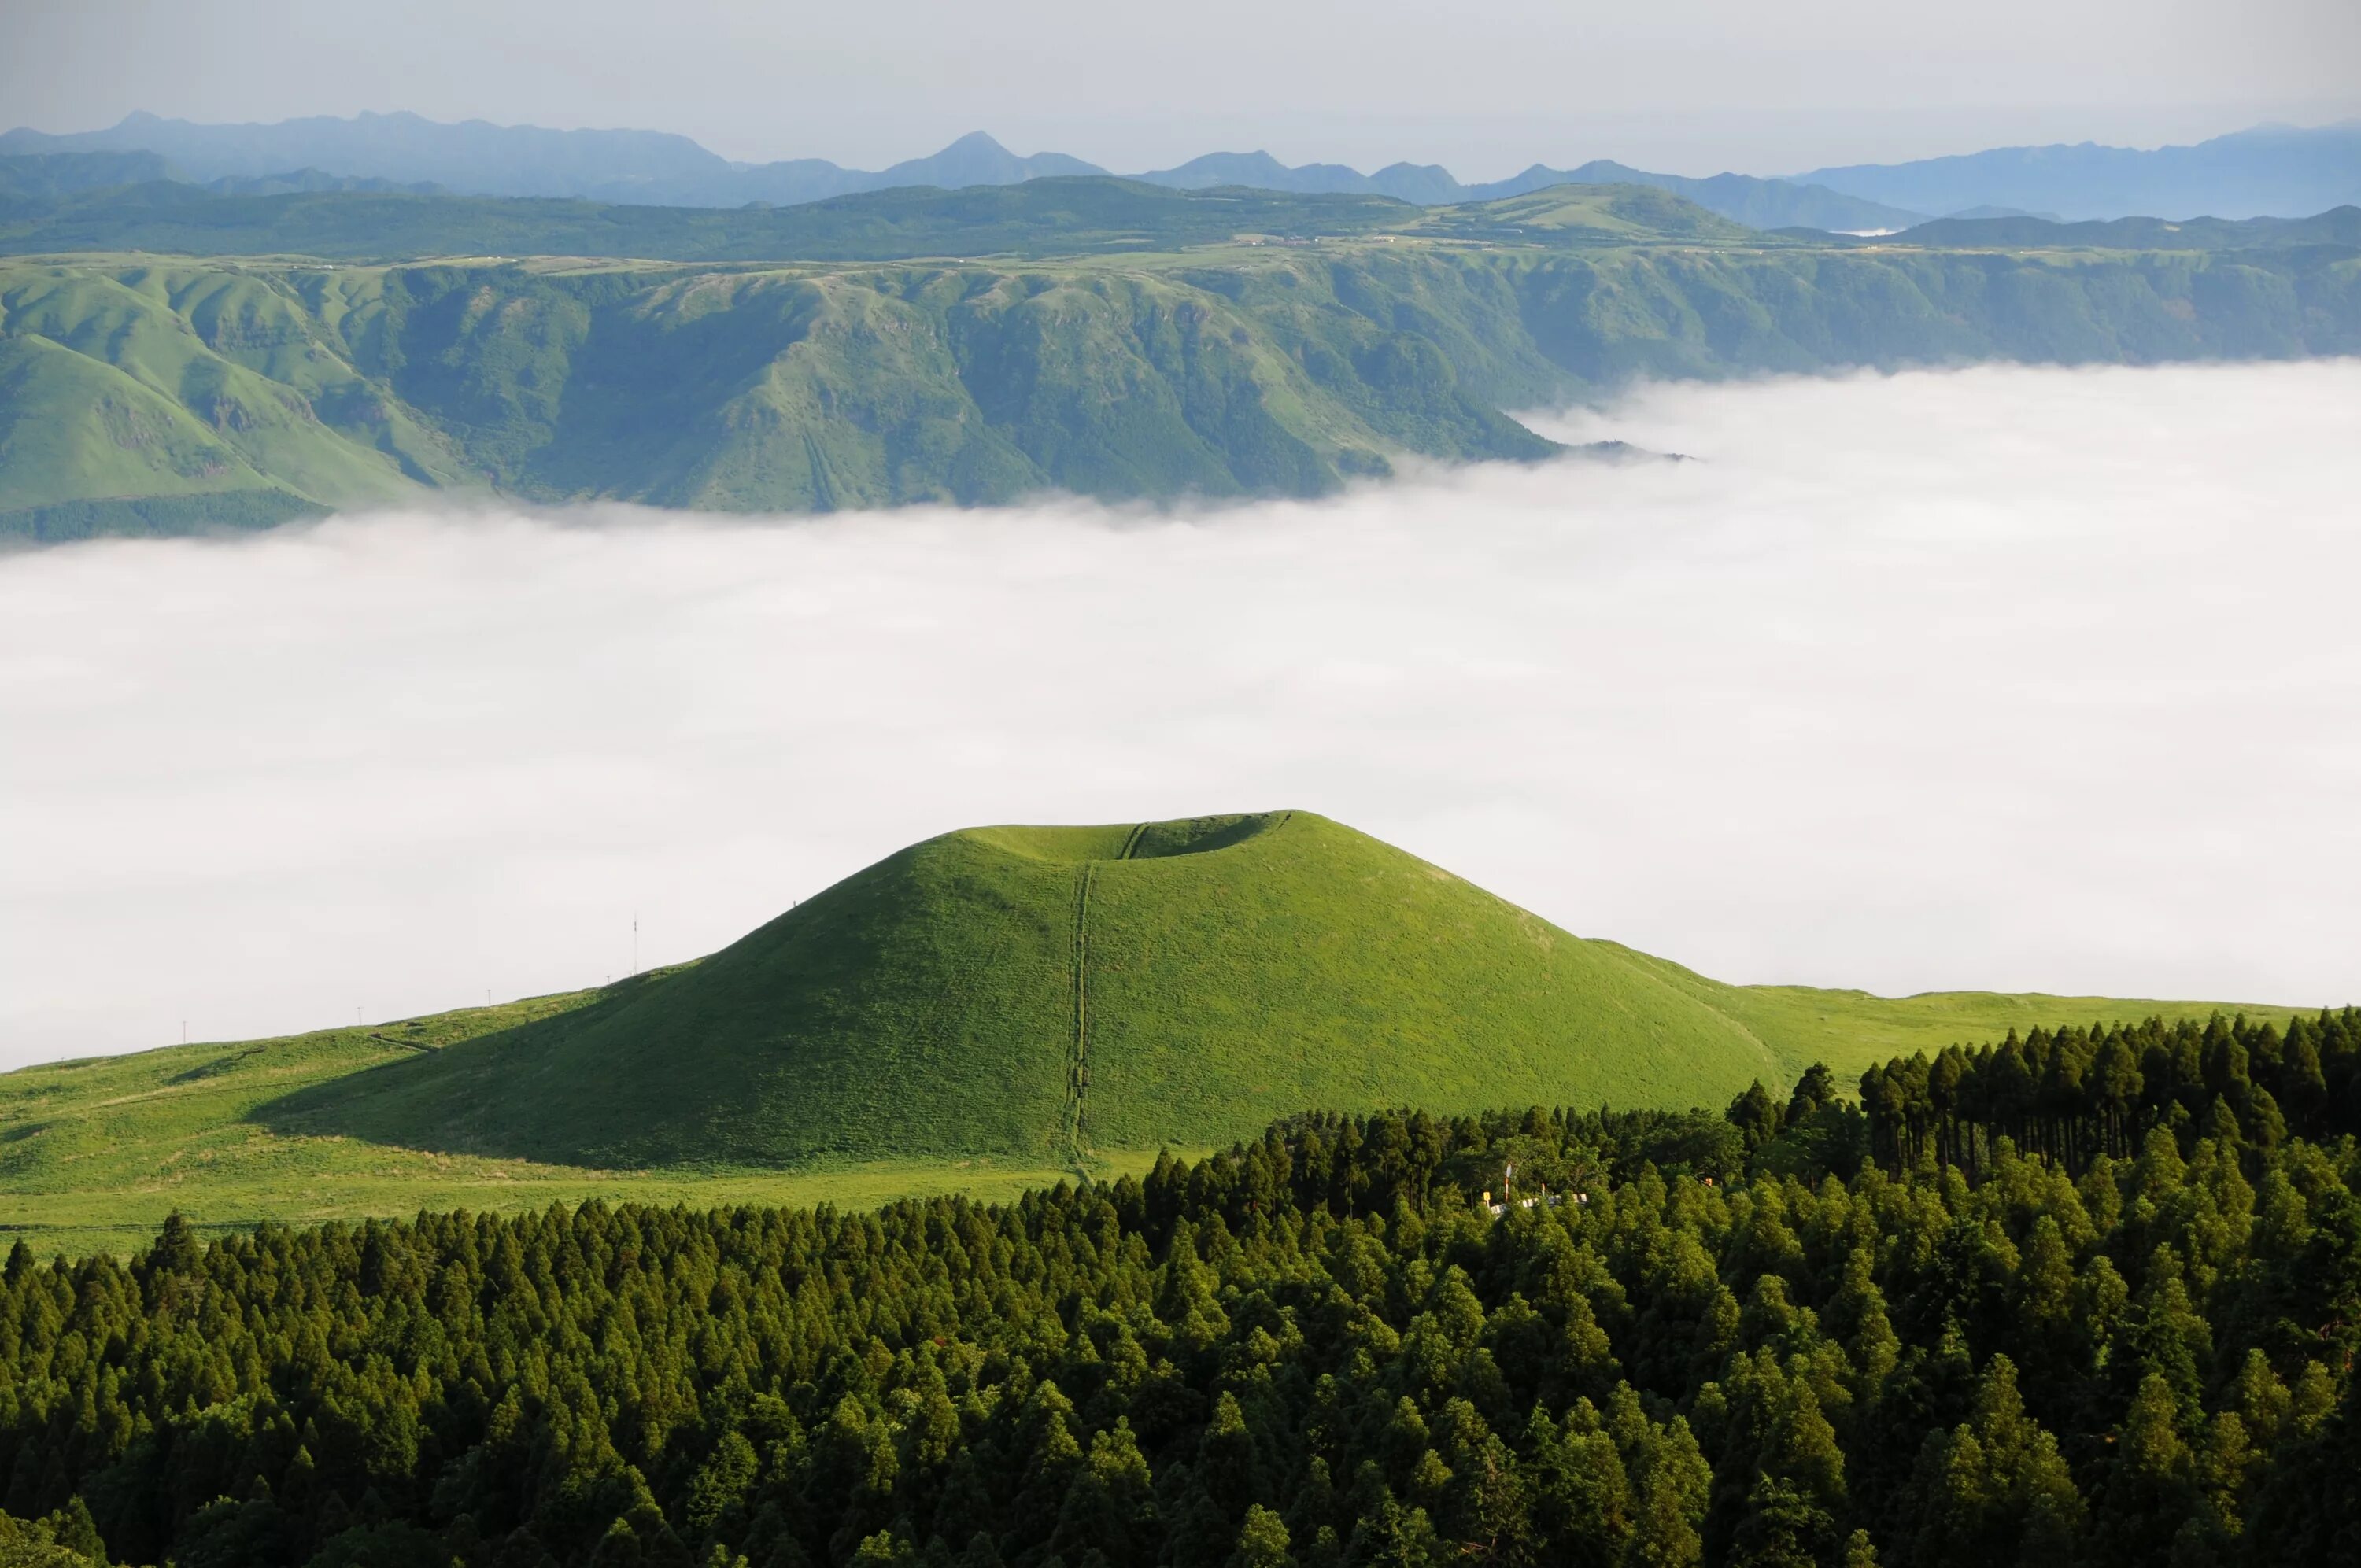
[1686,87]
[1999,679]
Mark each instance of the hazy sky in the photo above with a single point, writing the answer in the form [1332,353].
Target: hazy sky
[2000,678]
[1690,86]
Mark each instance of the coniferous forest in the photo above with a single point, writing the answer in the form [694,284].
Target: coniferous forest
[2082,1297]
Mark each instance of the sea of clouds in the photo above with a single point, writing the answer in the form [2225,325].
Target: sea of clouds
[1998,678]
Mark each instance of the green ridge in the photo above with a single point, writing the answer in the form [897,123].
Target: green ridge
[1077,217]
[151,394]
[978,1012]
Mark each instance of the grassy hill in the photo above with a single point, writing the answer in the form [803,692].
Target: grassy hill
[982,1010]
[1032,993]
[1561,215]
[140,394]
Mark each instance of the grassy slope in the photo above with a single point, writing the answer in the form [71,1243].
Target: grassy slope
[92,1154]
[1372,978]
[185,384]
[913,1030]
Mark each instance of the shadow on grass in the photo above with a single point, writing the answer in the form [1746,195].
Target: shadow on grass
[471,1097]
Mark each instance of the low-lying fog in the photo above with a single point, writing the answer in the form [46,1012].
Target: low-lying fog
[2003,678]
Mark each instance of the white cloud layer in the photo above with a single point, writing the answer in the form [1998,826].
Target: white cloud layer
[2006,678]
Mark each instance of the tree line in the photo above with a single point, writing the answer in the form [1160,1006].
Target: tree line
[2075,1094]
[1804,1330]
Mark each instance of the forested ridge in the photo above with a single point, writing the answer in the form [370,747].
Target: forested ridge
[2090,1296]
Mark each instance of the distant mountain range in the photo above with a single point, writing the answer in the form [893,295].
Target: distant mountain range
[2271,170]
[475,157]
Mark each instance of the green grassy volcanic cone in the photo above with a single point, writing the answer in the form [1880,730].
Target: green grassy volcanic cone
[1037,992]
